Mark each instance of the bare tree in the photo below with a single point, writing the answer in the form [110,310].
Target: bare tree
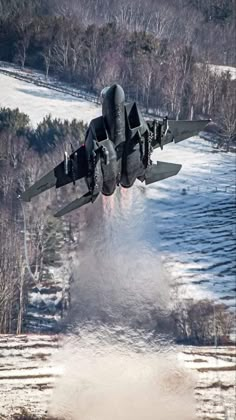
[25,29]
[227,116]
[47,56]
[60,51]
[163,23]
[11,263]
[199,322]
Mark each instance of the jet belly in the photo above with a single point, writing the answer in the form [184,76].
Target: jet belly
[113,111]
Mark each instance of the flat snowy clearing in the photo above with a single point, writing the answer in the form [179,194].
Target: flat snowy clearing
[223,69]
[219,70]
[38,101]
[28,371]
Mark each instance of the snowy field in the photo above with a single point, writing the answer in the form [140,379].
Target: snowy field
[219,69]
[223,69]
[38,101]
[29,370]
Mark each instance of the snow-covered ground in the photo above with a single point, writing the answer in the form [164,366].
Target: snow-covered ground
[28,371]
[219,69]
[223,69]
[37,101]
[26,374]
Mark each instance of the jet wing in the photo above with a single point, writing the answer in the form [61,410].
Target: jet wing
[45,183]
[77,169]
[79,202]
[177,131]
[182,130]
[77,165]
[160,170]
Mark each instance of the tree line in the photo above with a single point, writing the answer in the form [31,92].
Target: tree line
[157,51]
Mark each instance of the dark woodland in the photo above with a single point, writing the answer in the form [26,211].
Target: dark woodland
[157,50]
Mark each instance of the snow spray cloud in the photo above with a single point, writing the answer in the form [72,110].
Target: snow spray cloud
[118,277]
[114,373]
[115,366]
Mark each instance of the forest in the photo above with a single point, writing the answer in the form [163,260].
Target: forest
[22,264]
[158,51]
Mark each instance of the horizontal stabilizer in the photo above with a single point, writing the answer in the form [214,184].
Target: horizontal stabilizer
[182,130]
[45,183]
[79,202]
[161,170]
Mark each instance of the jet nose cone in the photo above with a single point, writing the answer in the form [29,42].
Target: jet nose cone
[119,94]
[116,93]
[113,112]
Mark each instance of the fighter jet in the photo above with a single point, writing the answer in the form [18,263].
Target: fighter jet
[117,150]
